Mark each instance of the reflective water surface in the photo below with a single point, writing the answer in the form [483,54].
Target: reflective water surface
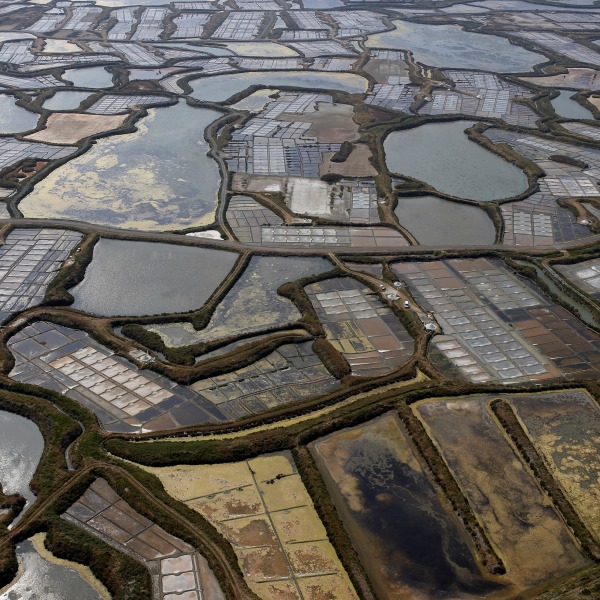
[452,46]
[21,447]
[441,155]
[436,222]
[136,180]
[144,278]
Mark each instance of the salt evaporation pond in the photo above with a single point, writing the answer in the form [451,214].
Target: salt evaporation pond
[437,222]
[442,155]
[145,278]
[136,180]
[252,304]
[452,46]
[15,119]
[89,77]
[65,100]
[410,543]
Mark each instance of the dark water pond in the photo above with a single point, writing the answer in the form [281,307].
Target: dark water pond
[145,278]
[411,546]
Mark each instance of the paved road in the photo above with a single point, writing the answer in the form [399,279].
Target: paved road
[282,250]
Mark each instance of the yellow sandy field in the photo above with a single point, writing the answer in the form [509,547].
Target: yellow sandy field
[263,509]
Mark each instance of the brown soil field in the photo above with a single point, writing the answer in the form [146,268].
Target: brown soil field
[69,128]
[519,518]
[356,165]
[331,123]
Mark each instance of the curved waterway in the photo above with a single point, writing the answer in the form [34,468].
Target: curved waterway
[222,87]
[136,180]
[21,448]
[565,106]
[442,155]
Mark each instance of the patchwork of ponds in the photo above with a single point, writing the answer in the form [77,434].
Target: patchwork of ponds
[437,222]
[222,87]
[441,155]
[584,275]
[367,333]
[498,326]
[139,278]
[263,509]
[13,118]
[123,397]
[136,181]
[452,46]
[177,570]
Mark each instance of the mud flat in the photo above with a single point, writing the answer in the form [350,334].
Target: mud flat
[411,545]
[519,518]
[565,428]
[358,164]
[140,278]
[136,181]
[263,509]
[331,123]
